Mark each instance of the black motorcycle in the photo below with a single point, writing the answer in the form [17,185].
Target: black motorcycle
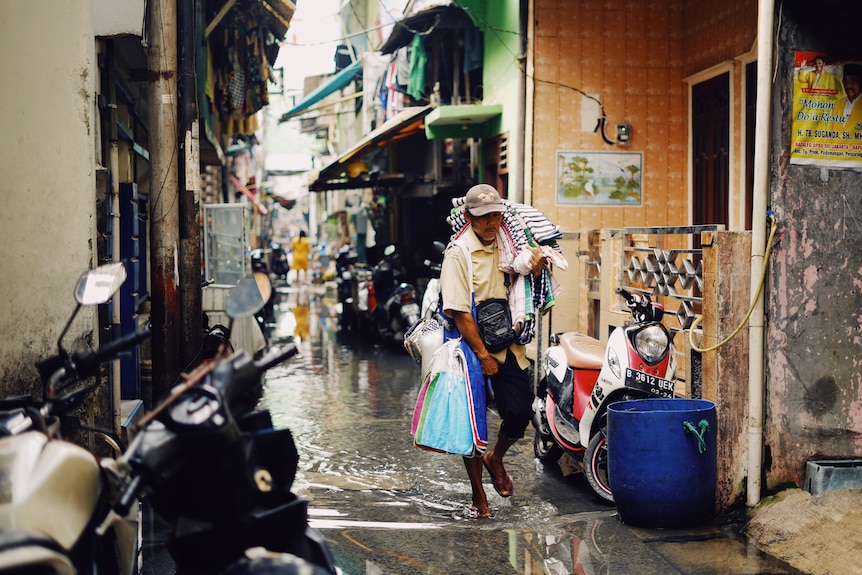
[397,300]
[55,490]
[214,468]
[348,312]
[279,264]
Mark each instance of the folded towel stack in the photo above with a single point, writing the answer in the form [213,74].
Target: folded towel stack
[523,227]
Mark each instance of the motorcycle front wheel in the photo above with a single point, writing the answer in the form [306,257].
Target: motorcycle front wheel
[596,466]
[546,449]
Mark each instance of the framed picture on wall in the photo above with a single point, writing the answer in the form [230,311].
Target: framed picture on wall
[599,178]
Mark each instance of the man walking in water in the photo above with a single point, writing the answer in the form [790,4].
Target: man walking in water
[507,368]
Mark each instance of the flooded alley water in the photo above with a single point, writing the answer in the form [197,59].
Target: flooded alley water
[387,507]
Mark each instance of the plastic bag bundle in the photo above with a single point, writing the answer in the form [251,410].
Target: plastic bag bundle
[444,417]
[422,339]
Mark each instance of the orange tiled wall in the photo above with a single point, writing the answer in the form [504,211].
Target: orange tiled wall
[716,31]
[633,56]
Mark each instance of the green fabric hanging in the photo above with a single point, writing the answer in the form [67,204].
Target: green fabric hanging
[418,59]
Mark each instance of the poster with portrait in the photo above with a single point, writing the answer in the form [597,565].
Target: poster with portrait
[599,178]
[827,114]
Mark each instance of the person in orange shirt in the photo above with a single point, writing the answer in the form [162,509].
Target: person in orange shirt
[300,247]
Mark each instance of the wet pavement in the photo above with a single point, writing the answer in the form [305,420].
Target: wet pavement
[387,507]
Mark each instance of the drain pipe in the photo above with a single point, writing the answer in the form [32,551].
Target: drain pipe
[765,15]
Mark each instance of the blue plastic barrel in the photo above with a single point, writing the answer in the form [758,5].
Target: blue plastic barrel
[662,461]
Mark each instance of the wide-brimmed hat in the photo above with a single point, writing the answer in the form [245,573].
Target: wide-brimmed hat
[483,199]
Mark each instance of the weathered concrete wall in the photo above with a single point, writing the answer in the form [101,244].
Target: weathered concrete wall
[47,224]
[114,17]
[814,296]
[726,257]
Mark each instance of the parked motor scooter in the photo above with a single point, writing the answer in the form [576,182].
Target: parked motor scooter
[583,377]
[345,260]
[364,299]
[431,296]
[278,261]
[53,490]
[204,457]
[398,305]
[214,467]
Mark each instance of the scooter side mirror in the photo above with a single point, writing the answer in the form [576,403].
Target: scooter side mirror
[98,285]
[95,286]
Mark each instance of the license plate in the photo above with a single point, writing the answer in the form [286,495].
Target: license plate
[651,384]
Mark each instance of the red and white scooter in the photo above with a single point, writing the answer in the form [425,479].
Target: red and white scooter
[583,376]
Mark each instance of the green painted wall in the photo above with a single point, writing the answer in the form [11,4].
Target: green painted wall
[499,22]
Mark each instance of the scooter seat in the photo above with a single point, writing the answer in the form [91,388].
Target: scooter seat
[582,351]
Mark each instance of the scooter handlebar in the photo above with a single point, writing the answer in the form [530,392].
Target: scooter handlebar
[276,355]
[87,361]
[626,295]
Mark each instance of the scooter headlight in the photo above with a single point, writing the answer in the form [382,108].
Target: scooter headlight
[651,343]
[614,363]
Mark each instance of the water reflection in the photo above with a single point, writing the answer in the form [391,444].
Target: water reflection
[301,330]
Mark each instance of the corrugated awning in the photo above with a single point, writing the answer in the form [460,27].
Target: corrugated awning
[279,13]
[336,176]
[338,82]
[424,22]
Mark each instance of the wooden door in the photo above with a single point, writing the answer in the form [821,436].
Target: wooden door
[710,104]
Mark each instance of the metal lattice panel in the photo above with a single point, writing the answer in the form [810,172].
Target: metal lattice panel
[675,275]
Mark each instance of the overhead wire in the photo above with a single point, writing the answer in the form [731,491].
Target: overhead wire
[601,122]
[519,59]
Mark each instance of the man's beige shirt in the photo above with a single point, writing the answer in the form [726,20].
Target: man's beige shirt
[488,282]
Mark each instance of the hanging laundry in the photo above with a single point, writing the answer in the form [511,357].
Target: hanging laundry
[383,93]
[402,68]
[392,106]
[473,46]
[387,95]
[418,60]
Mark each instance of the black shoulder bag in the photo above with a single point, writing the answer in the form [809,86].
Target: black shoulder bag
[494,320]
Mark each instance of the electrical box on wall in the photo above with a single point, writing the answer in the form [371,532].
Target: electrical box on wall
[624,133]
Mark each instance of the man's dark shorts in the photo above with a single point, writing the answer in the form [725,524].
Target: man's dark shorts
[513,396]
